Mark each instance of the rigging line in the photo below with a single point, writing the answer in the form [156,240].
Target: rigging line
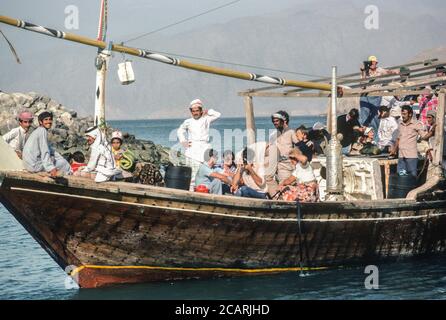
[240,64]
[11,47]
[184,20]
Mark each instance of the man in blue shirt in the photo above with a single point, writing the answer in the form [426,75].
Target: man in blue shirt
[208,176]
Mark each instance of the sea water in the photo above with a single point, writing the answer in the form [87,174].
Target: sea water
[28,272]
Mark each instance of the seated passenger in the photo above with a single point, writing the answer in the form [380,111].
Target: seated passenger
[208,176]
[124,159]
[365,144]
[77,161]
[38,155]
[101,165]
[17,137]
[254,164]
[306,188]
[304,143]
[320,138]
[349,128]
[228,168]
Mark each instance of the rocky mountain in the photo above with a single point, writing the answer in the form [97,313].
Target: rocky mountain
[308,38]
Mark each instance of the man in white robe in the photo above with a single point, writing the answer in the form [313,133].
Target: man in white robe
[17,137]
[102,161]
[38,155]
[193,134]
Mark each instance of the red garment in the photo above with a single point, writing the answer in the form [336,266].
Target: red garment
[75,166]
[426,105]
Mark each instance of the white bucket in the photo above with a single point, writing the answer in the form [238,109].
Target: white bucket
[125,72]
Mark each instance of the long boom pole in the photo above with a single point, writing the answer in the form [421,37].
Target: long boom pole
[163,58]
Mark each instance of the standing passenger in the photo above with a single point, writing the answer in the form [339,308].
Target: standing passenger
[284,139]
[406,144]
[193,134]
[387,131]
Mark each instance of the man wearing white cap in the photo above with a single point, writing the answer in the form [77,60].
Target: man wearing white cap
[17,137]
[193,134]
[284,139]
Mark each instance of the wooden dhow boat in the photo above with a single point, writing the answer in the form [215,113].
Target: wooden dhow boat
[118,232]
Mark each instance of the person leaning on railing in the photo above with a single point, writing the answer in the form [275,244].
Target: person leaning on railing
[406,144]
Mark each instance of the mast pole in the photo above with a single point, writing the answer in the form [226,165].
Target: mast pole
[439,147]
[102,60]
[250,121]
[334,156]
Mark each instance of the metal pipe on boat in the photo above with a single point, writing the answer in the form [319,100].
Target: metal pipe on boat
[334,156]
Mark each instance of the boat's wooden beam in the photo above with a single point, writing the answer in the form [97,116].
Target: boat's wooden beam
[359,81]
[250,120]
[396,80]
[403,85]
[321,94]
[358,74]
[439,131]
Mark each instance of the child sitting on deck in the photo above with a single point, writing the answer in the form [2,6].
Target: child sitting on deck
[124,159]
[77,161]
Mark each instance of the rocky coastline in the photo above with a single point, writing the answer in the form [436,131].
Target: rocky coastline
[67,133]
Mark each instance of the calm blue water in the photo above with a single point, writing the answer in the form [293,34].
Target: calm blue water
[27,272]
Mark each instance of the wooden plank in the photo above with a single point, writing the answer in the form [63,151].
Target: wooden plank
[439,132]
[388,81]
[404,85]
[373,80]
[321,94]
[393,67]
[250,120]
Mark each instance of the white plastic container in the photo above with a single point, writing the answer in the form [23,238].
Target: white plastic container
[125,72]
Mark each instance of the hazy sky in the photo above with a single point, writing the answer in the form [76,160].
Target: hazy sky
[124,15]
[306,36]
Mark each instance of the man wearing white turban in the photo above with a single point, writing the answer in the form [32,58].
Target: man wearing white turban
[101,162]
[197,130]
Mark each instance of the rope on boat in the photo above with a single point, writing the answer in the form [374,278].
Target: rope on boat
[12,48]
[299,228]
[164,58]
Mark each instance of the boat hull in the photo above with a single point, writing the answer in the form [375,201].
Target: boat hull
[113,233]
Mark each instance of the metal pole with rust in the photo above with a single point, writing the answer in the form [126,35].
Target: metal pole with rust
[335,179]
[163,58]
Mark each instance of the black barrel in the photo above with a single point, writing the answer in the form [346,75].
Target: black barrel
[399,186]
[178,177]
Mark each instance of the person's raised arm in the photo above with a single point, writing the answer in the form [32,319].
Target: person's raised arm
[213,115]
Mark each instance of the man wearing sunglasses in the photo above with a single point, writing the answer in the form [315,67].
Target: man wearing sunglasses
[17,137]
